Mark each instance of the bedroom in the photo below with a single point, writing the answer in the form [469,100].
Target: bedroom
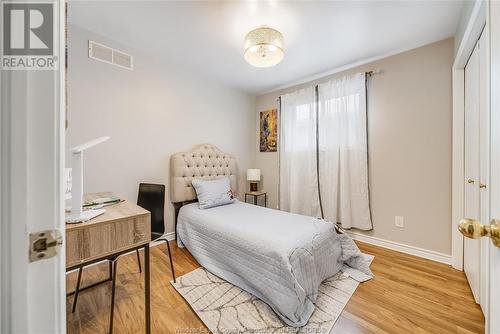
[254,166]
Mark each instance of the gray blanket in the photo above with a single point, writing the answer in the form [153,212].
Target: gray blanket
[281,258]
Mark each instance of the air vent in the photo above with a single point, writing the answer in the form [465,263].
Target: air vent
[111,56]
[122,59]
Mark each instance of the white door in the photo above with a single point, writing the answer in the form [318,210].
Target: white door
[493,318]
[472,167]
[32,155]
[489,278]
[484,165]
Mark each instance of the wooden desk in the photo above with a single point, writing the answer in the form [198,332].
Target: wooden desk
[123,228]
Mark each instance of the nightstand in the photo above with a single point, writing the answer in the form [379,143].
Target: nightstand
[256,195]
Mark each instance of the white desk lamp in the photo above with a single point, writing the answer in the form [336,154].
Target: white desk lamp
[77,214]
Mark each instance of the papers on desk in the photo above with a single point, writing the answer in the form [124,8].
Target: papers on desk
[98,203]
[102,201]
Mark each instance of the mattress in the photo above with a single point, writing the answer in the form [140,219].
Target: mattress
[279,257]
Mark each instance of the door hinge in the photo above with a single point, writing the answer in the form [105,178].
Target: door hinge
[45,244]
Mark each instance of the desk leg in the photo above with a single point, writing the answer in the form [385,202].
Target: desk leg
[113,288]
[265,200]
[147,292]
[77,289]
[255,200]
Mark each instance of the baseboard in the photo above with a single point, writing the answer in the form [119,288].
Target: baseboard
[169,236]
[407,249]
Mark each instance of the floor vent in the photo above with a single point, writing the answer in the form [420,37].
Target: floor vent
[111,56]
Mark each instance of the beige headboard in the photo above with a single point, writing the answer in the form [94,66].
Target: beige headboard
[204,161]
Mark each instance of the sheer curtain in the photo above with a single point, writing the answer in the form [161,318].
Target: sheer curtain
[326,143]
[298,177]
[343,152]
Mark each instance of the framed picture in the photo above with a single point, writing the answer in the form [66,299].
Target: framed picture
[269,130]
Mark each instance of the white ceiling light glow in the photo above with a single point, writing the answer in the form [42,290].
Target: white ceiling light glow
[264,47]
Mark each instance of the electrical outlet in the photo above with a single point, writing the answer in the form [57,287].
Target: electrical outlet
[399,221]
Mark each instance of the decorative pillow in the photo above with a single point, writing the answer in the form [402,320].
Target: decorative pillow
[212,193]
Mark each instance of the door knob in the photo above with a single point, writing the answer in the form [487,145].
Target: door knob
[472,228]
[470,181]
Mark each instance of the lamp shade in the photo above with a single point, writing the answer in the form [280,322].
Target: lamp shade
[264,47]
[253,174]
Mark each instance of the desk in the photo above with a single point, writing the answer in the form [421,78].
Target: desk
[123,228]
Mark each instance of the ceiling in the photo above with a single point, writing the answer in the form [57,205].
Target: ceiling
[207,37]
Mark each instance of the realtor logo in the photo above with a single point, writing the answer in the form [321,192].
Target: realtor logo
[28,36]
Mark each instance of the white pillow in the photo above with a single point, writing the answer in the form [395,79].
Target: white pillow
[212,193]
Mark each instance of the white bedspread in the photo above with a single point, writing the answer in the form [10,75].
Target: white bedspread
[280,257]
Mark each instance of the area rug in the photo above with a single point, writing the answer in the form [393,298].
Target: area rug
[225,308]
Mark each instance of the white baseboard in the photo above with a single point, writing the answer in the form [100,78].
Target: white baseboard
[169,236]
[407,249]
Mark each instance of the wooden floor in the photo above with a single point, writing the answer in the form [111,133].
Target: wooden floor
[407,295]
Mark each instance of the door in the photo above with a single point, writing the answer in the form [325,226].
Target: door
[493,318]
[484,166]
[477,165]
[489,225]
[472,247]
[32,156]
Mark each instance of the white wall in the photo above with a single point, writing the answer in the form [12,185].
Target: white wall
[150,113]
[409,135]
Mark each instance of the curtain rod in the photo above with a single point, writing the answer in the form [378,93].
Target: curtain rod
[368,73]
[373,72]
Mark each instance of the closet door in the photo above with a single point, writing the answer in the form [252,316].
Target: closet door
[472,248]
[484,167]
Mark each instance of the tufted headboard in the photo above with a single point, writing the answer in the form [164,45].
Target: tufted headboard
[204,161]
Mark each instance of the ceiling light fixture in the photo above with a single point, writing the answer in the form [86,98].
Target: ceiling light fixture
[264,47]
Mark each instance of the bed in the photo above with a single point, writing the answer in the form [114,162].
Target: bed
[279,257]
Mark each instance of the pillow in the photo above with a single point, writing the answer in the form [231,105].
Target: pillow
[212,193]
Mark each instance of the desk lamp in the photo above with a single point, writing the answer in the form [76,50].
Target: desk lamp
[77,213]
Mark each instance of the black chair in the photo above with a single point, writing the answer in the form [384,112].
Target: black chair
[152,198]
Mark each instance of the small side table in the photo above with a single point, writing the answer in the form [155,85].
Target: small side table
[256,195]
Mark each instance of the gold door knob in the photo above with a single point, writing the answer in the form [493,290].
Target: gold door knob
[470,181]
[472,228]
[482,185]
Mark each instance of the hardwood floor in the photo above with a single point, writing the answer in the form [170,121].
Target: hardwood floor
[407,295]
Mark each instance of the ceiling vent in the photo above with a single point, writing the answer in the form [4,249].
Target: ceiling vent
[111,56]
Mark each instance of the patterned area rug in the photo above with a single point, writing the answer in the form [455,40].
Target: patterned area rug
[225,308]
